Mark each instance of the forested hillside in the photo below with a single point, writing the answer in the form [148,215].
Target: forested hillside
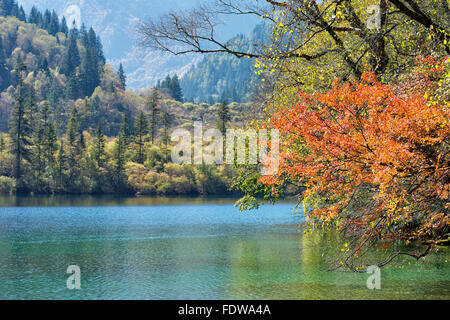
[229,78]
[60,67]
[68,124]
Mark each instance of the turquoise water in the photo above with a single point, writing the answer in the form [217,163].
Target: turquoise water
[172,248]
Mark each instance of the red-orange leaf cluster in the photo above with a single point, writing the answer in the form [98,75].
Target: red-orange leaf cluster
[388,145]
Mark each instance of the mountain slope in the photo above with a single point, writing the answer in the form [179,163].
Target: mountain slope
[221,76]
[116,20]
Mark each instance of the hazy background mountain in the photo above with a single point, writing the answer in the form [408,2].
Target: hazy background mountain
[228,77]
[115,22]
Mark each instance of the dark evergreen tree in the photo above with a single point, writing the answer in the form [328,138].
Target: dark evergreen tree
[73,139]
[54,94]
[4,73]
[140,131]
[63,26]
[21,15]
[125,129]
[152,105]
[122,78]
[73,128]
[84,35]
[71,58]
[15,10]
[99,146]
[20,128]
[35,17]
[43,65]
[32,105]
[119,161]
[2,143]
[172,86]
[175,89]
[223,117]
[72,90]
[74,30]
[8,7]
[47,20]
[37,149]
[166,119]
[53,27]
[99,49]
[44,148]
[61,168]
[89,75]
[50,137]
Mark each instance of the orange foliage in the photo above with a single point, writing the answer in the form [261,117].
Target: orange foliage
[391,142]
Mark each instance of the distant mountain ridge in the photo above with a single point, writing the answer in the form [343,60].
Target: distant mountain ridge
[228,78]
[115,21]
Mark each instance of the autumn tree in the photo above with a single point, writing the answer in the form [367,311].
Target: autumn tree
[313,42]
[375,158]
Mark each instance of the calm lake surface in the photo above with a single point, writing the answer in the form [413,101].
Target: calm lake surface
[182,248]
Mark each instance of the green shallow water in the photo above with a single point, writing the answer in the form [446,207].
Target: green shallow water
[183,248]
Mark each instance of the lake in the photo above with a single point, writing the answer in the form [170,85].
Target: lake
[183,248]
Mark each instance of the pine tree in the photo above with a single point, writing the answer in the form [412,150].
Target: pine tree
[53,27]
[72,57]
[175,89]
[125,129]
[4,74]
[119,161]
[72,90]
[61,167]
[122,78]
[2,143]
[22,16]
[74,30]
[47,20]
[84,35]
[73,139]
[20,129]
[39,126]
[141,129]
[8,7]
[43,65]
[15,10]
[90,77]
[223,117]
[32,105]
[73,128]
[63,27]
[35,17]
[99,49]
[54,93]
[167,119]
[153,106]
[99,146]
[50,143]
